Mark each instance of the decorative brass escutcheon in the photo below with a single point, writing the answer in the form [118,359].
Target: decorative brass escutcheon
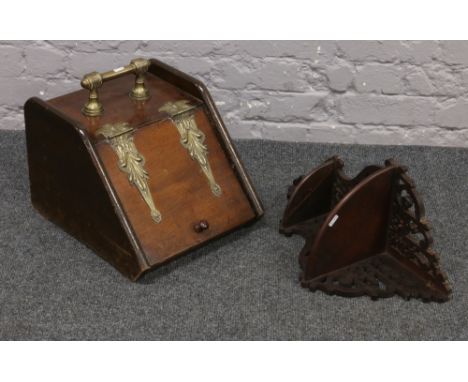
[93,81]
[131,162]
[191,137]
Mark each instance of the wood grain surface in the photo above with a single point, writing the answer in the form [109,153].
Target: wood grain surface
[118,107]
[191,213]
[180,190]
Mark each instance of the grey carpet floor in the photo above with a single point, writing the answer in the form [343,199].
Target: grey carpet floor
[243,286]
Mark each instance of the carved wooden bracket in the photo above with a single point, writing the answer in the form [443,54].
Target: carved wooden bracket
[364,236]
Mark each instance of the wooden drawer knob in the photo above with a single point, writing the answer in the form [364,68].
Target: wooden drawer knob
[201,226]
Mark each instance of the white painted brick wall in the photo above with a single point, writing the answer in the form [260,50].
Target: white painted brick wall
[392,92]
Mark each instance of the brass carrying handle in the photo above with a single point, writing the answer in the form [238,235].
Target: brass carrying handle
[93,81]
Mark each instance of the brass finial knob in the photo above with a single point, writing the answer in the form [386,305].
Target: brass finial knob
[139,91]
[92,82]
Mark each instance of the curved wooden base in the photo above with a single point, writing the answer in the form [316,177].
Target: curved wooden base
[364,236]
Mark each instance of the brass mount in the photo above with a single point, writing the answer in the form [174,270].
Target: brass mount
[93,81]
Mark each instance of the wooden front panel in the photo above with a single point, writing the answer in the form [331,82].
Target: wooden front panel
[357,232]
[179,189]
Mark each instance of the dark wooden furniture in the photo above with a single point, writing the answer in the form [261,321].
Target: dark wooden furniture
[146,180]
[363,236]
